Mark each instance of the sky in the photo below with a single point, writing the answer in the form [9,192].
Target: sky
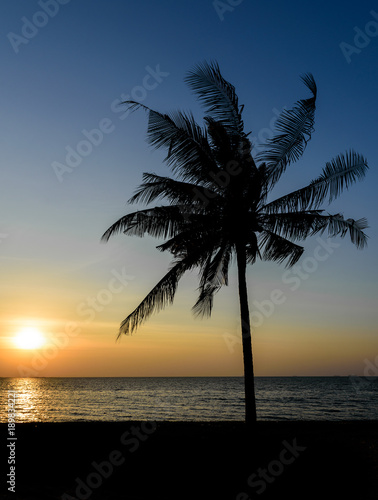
[71,157]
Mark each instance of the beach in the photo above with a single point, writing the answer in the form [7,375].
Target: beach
[192,460]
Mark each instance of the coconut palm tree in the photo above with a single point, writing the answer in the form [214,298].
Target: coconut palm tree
[217,203]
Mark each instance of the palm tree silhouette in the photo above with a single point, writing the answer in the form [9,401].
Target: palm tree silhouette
[217,205]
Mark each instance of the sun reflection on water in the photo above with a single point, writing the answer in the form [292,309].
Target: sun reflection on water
[29,396]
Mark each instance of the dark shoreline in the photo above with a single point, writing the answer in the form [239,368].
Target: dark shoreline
[194,460]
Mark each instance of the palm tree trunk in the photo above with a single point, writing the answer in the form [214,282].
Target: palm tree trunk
[249,381]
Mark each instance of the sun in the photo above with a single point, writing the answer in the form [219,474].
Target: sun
[29,338]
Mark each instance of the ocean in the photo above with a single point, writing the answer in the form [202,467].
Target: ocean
[188,399]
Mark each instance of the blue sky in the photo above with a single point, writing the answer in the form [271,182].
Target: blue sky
[68,75]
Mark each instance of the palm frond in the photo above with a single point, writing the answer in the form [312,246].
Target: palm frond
[276,248]
[204,304]
[338,226]
[192,239]
[185,141]
[338,174]
[160,222]
[295,127]
[252,248]
[162,294]
[215,272]
[221,141]
[217,95]
[214,275]
[156,186]
[294,225]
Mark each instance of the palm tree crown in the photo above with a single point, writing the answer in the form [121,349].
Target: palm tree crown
[217,204]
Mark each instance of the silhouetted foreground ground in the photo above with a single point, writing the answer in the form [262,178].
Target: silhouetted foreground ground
[197,461]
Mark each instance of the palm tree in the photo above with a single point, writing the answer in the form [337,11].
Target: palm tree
[217,205]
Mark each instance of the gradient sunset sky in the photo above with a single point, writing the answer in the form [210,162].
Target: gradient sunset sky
[65,72]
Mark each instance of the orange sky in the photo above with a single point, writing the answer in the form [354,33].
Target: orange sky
[312,331]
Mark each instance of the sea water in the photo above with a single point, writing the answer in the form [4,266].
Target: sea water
[189,399]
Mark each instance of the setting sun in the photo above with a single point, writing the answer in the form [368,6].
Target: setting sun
[29,338]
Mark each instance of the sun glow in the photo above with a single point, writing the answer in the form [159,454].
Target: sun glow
[29,338]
